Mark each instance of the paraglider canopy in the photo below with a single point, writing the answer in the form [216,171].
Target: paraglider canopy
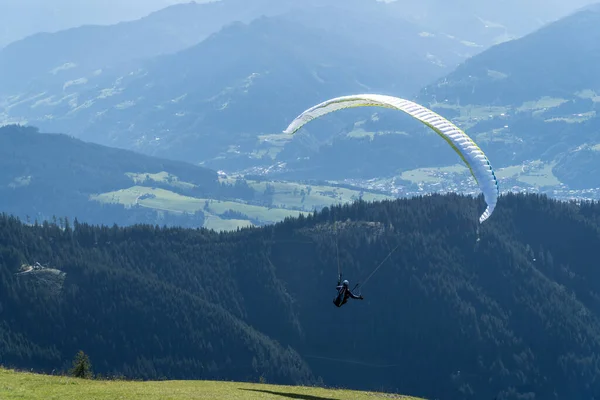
[463,145]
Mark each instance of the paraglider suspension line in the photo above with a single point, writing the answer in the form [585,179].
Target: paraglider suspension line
[379,266]
[337,252]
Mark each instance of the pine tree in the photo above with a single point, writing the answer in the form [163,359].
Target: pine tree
[82,367]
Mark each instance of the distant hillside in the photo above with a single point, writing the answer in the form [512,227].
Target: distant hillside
[511,316]
[487,22]
[532,104]
[192,82]
[47,175]
[25,18]
[556,60]
[40,60]
[214,101]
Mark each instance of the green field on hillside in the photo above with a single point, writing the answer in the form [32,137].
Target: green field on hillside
[288,199]
[535,173]
[290,194]
[165,200]
[24,385]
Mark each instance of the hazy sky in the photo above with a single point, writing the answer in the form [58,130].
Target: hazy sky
[20,18]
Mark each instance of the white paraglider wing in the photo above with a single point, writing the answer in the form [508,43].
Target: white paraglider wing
[466,148]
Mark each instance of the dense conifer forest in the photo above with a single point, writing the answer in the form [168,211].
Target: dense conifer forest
[513,315]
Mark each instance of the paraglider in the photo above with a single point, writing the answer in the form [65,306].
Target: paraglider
[467,149]
[344,293]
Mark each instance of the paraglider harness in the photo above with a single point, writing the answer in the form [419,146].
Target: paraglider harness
[344,293]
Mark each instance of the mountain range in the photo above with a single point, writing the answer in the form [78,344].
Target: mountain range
[486,21]
[533,99]
[79,51]
[529,102]
[23,18]
[243,81]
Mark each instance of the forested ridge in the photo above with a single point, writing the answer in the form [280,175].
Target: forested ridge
[45,174]
[514,314]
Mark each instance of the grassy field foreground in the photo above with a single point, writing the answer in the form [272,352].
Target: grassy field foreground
[24,385]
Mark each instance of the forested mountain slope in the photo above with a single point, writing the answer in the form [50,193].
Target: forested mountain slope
[532,104]
[514,315]
[45,175]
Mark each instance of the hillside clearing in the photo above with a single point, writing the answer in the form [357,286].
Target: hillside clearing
[24,385]
[288,199]
[165,200]
[535,173]
[291,194]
